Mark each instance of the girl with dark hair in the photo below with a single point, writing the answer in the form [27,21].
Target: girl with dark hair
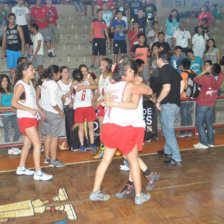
[53,126]
[205,13]
[24,100]
[83,108]
[9,119]
[212,52]
[123,129]
[172,24]
[199,42]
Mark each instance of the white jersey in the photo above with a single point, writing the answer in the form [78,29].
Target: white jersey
[102,86]
[29,101]
[84,97]
[119,116]
[65,88]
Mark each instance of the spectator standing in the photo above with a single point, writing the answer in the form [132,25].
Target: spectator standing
[172,24]
[168,102]
[153,33]
[140,18]
[199,42]
[78,7]
[3,13]
[205,104]
[38,48]
[196,62]
[163,46]
[109,2]
[212,52]
[133,35]
[53,126]
[53,28]
[205,13]
[142,51]
[40,15]
[98,30]
[185,106]
[134,6]
[9,119]
[119,27]
[150,11]
[12,44]
[203,25]
[176,59]
[216,13]
[182,38]
[23,20]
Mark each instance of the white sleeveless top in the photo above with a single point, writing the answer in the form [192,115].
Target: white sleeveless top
[82,98]
[65,88]
[103,83]
[119,116]
[30,100]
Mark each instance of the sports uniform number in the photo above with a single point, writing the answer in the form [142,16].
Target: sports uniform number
[83,95]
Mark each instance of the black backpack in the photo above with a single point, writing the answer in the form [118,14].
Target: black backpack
[193,89]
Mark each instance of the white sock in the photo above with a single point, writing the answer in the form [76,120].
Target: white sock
[38,172]
[22,167]
[138,195]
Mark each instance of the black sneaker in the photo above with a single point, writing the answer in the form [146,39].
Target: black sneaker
[50,54]
[162,153]
[152,179]
[173,162]
[127,191]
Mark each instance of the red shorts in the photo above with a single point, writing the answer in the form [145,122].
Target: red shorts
[100,111]
[84,113]
[122,138]
[25,123]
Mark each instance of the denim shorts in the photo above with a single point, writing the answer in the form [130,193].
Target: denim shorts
[38,61]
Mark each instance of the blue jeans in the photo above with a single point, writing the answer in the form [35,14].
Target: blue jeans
[78,7]
[185,112]
[204,116]
[168,115]
[10,121]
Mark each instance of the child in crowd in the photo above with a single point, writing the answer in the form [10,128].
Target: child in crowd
[9,119]
[176,59]
[216,13]
[83,108]
[24,100]
[66,89]
[196,62]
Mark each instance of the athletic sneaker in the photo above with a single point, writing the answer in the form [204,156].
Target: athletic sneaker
[124,168]
[189,134]
[83,149]
[24,171]
[93,149]
[152,179]
[99,156]
[14,151]
[142,198]
[200,146]
[42,149]
[74,150]
[40,175]
[211,146]
[47,160]
[50,54]
[127,191]
[99,196]
[181,135]
[57,163]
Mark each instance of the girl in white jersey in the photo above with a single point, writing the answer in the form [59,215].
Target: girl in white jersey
[83,108]
[24,100]
[119,132]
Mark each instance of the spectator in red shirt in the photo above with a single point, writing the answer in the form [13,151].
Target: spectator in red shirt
[40,16]
[98,30]
[53,16]
[205,13]
[109,2]
[133,35]
[205,104]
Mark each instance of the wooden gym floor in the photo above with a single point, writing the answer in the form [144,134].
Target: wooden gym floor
[193,193]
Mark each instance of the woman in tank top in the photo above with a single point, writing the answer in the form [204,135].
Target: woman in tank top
[120,133]
[212,52]
[24,100]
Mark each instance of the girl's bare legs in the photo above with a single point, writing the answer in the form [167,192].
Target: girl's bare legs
[91,132]
[81,133]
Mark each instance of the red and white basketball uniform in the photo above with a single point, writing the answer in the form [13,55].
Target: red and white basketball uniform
[102,86]
[83,104]
[65,88]
[25,118]
[121,126]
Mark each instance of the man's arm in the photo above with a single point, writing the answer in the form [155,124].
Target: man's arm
[91,33]
[38,48]
[4,42]
[22,40]
[182,85]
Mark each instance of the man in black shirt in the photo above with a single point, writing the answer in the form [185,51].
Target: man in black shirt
[163,46]
[168,103]
[150,11]
[134,6]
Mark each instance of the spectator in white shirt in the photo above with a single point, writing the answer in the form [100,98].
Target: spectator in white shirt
[153,33]
[199,42]
[23,20]
[38,49]
[182,38]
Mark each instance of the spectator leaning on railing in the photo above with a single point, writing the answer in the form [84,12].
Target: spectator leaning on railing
[205,104]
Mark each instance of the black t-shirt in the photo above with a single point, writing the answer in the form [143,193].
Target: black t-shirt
[162,46]
[141,22]
[169,75]
[134,7]
[149,10]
